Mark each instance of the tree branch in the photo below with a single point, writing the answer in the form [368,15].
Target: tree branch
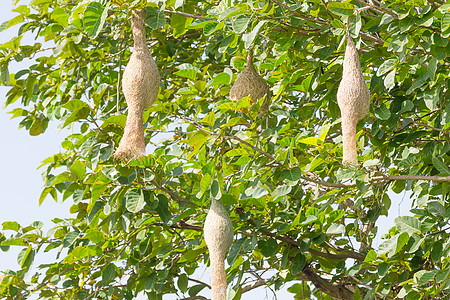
[185,14]
[384,177]
[343,255]
[378,9]
[255,285]
[426,126]
[174,195]
[337,291]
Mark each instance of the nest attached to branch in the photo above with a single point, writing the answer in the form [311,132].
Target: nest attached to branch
[250,83]
[140,85]
[353,99]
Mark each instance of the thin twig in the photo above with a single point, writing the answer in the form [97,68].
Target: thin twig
[176,196]
[378,9]
[185,14]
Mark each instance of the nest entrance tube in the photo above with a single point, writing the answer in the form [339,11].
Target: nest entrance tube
[250,83]
[353,99]
[140,85]
[218,232]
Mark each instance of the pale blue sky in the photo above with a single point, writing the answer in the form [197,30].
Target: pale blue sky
[21,183]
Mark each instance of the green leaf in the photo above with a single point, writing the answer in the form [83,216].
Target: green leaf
[298,263]
[201,23]
[389,80]
[250,37]
[95,236]
[310,141]
[60,16]
[78,169]
[432,67]
[436,209]
[408,224]
[215,190]
[336,229]
[163,208]
[182,283]
[205,182]
[386,66]
[25,257]
[94,18]
[436,251]
[293,174]
[221,78]
[268,247]
[70,238]
[445,22]
[240,23]
[423,276]
[134,200]
[155,18]
[4,75]
[108,273]
[440,166]
[343,9]
[406,106]
[281,191]
[394,244]
[178,24]
[236,152]
[11,226]
[209,119]
[194,290]
[187,70]
[357,294]
[14,21]
[235,250]
[382,112]
[431,98]
[371,256]
[118,120]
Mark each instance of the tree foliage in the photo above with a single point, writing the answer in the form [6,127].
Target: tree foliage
[299,217]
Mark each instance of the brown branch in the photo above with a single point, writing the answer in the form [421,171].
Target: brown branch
[255,285]
[299,14]
[184,225]
[200,282]
[174,195]
[185,14]
[337,291]
[413,177]
[364,36]
[425,125]
[342,255]
[319,182]
[195,298]
[345,254]
[378,9]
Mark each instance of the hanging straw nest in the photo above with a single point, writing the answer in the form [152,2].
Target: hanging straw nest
[250,83]
[140,85]
[218,232]
[353,99]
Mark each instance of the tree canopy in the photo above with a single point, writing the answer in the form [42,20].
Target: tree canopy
[300,218]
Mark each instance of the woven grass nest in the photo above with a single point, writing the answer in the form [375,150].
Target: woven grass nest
[140,85]
[353,99]
[250,83]
[218,232]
